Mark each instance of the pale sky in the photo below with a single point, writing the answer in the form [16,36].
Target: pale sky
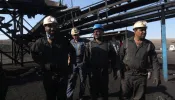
[153,31]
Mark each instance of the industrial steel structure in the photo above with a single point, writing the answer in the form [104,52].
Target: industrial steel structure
[113,14]
[17,9]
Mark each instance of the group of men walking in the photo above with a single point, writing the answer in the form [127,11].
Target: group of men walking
[62,61]
[93,60]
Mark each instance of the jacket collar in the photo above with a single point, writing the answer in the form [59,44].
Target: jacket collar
[145,41]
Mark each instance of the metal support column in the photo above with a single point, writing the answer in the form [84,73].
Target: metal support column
[106,4]
[98,16]
[12,49]
[1,57]
[13,36]
[21,39]
[164,45]
[72,14]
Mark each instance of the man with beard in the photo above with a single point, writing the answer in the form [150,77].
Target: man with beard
[3,85]
[51,53]
[134,55]
[100,56]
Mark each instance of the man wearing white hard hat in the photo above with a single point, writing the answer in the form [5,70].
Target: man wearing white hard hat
[80,69]
[50,25]
[51,53]
[134,55]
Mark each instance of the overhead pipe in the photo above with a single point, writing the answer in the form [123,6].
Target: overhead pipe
[112,11]
[129,22]
[96,10]
[91,7]
[126,15]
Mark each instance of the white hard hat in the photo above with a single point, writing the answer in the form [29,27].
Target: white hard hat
[74,31]
[139,24]
[49,20]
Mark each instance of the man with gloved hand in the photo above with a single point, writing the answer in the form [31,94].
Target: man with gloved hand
[51,53]
[134,55]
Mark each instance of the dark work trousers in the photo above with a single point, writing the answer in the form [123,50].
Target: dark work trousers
[133,87]
[55,88]
[80,70]
[3,86]
[99,83]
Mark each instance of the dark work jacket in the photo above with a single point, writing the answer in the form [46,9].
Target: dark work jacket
[99,55]
[53,55]
[136,58]
[1,70]
[79,47]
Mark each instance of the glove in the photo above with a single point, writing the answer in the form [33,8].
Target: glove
[109,67]
[109,70]
[116,74]
[20,77]
[27,73]
[68,60]
[50,66]
[39,71]
[149,75]
[157,81]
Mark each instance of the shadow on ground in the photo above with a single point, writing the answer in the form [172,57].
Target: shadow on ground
[28,75]
[115,94]
[170,66]
[160,91]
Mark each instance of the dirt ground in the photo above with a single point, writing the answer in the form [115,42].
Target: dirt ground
[31,88]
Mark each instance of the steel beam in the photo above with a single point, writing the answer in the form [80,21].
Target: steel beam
[121,8]
[147,13]
[13,36]
[112,11]
[129,22]
[1,19]
[128,15]
[97,10]
[21,45]
[9,56]
[90,8]
[29,6]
